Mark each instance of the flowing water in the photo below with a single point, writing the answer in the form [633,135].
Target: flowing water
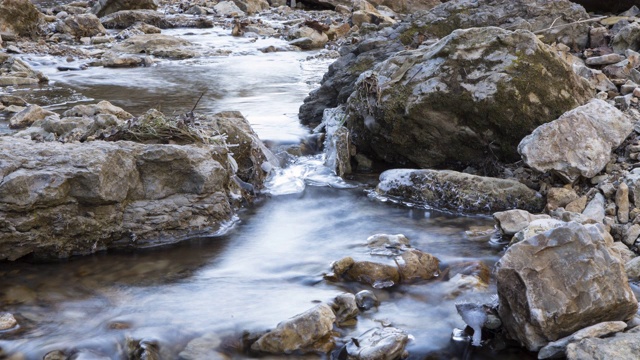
[266,268]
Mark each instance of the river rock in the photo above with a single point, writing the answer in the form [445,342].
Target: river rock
[101,108]
[415,265]
[366,300]
[228,9]
[346,308]
[378,343]
[14,71]
[579,143]
[437,94]
[106,7]
[557,349]
[20,17]
[458,191]
[371,273]
[7,321]
[536,227]
[307,38]
[252,7]
[82,25]
[556,283]
[338,82]
[28,116]
[126,18]
[387,245]
[620,346]
[511,221]
[306,332]
[97,195]
[159,45]
[203,347]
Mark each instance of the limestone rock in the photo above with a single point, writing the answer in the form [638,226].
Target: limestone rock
[475,92]
[512,221]
[458,191]
[103,107]
[158,45]
[14,71]
[82,25]
[558,348]
[366,300]
[126,18]
[622,202]
[536,227]
[561,281]
[228,9]
[627,38]
[632,268]
[621,346]
[251,7]
[378,343]
[345,307]
[307,38]
[20,17]
[624,253]
[415,265]
[579,143]
[560,197]
[28,116]
[632,179]
[7,321]
[304,332]
[595,208]
[106,7]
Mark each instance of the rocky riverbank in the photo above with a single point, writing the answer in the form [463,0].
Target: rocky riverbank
[494,107]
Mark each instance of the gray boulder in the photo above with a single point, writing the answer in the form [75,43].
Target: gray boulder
[556,283]
[338,83]
[28,116]
[458,191]
[621,346]
[82,25]
[474,94]
[106,7]
[158,45]
[512,221]
[557,349]
[126,18]
[579,143]
[306,332]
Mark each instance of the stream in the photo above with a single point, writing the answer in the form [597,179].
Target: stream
[266,267]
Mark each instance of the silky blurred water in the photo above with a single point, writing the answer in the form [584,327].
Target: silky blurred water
[270,265]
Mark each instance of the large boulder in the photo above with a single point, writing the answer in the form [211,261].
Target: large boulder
[82,25]
[14,71]
[157,45]
[78,198]
[126,18]
[458,191]
[106,7]
[474,94]
[556,283]
[579,143]
[306,332]
[338,82]
[20,17]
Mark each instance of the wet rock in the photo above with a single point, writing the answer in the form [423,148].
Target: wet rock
[475,316]
[436,94]
[595,209]
[388,245]
[126,18]
[415,265]
[7,321]
[20,17]
[620,346]
[142,349]
[458,191]
[622,202]
[512,221]
[366,300]
[375,274]
[55,355]
[112,59]
[106,7]
[28,116]
[202,348]
[228,9]
[157,45]
[557,349]
[378,343]
[309,331]
[307,38]
[82,25]
[560,281]
[579,143]
[345,308]
[101,108]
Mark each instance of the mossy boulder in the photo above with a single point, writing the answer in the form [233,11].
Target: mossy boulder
[20,17]
[471,96]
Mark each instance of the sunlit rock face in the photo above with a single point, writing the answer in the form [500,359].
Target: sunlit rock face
[558,282]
